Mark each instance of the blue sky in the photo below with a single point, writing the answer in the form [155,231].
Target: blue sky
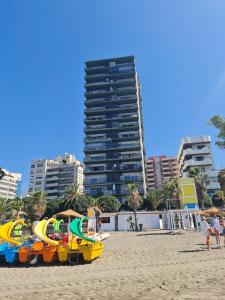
[179,48]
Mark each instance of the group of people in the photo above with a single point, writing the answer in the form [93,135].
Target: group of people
[215,227]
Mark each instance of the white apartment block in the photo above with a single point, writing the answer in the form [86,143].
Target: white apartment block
[195,152]
[10,185]
[53,176]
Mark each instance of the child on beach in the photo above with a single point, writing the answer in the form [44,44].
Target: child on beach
[206,230]
[216,228]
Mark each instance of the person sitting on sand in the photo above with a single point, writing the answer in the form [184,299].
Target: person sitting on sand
[222,224]
[206,230]
[216,228]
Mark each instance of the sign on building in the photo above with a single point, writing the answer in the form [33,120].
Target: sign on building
[187,193]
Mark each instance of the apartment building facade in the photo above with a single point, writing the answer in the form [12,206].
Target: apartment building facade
[196,152]
[114,142]
[10,185]
[53,176]
[160,169]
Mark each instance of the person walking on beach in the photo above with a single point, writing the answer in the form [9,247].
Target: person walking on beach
[206,230]
[222,224]
[215,224]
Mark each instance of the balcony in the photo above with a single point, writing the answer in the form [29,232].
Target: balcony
[103,119]
[116,108]
[111,158]
[122,180]
[103,128]
[126,99]
[113,147]
[111,82]
[121,168]
[197,163]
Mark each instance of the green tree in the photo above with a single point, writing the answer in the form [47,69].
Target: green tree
[134,201]
[38,204]
[171,192]
[75,198]
[200,184]
[219,198]
[109,203]
[2,173]
[53,207]
[5,206]
[221,179]
[17,206]
[155,197]
[219,123]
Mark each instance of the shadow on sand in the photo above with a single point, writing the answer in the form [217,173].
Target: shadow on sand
[193,251]
[155,233]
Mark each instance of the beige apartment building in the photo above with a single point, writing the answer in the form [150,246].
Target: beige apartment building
[160,169]
[53,176]
[10,185]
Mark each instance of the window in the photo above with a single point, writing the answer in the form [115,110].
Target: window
[40,165]
[105,220]
[38,182]
[200,146]
[125,68]
[199,158]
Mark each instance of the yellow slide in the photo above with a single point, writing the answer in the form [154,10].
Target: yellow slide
[6,230]
[40,231]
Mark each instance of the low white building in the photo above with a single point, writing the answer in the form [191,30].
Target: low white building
[122,221]
[10,185]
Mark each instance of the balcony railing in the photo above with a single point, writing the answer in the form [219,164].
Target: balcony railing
[122,179]
[115,169]
[111,157]
[113,146]
[121,126]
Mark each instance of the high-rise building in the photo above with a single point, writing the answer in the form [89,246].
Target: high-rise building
[53,176]
[195,152]
[10,185]
[160,169]
[114,143]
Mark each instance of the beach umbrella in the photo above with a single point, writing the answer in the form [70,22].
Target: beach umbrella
[210,212]
[69,213]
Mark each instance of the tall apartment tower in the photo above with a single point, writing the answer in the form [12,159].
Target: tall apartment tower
[160,169]
[53,176]
[195,152]
[114,143]
[10,185]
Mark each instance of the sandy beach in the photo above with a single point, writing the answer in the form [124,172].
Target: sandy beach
[148,265]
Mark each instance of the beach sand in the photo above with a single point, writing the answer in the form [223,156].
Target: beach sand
[147,265]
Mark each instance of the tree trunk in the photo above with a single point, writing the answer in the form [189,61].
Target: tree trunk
[135,220]
[97,227]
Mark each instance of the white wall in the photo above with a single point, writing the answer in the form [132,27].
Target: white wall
[148,220]
[109,226]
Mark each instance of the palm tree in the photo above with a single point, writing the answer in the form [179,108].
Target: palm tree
[4,207]
[221,178]
[171,191]
[74,196]
[200,184]
[17,208]
[2,173]
[98,209]
[155,197]
[134,201]
[38,204]
[221,197]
